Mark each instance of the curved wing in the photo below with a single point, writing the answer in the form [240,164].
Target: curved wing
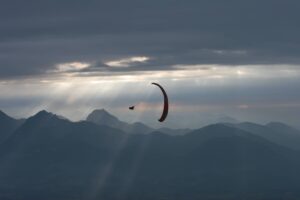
[166,103]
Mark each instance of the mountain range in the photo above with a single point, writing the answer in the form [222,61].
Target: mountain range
[102,117]
[49,157]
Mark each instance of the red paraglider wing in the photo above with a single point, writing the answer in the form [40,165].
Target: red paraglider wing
[166,103]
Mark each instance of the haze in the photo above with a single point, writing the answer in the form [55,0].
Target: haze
[215,58]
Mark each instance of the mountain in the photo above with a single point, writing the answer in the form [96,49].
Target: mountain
[278,126]
[102,117]
[48,157]
[7,126]
[170,131]
[278,133]
[46,126]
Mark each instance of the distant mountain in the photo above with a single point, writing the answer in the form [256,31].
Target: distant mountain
[278,133]
[282,127]
[206,119]
[7,126]
[45,124]
[48,157]
[170,131]
[102,117]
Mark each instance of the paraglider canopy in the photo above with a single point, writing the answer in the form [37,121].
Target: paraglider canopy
[166,103]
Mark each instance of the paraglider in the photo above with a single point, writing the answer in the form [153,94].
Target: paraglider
[166,104]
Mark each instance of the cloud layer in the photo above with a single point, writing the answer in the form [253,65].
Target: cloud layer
[37,36]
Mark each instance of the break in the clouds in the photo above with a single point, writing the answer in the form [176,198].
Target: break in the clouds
[127,62]
[197,96]
[235,57]
[73,66]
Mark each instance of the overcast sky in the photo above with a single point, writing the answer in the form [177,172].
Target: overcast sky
[215,58]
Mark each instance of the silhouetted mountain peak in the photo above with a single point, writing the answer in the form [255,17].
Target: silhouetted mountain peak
[102,117]
[43,113]
[102,112]
[42,116]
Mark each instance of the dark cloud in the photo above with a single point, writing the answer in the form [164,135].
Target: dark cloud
[36,35]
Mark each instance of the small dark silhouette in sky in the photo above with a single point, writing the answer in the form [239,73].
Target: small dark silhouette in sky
[166,104]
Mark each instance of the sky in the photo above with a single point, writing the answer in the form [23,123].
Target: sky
[216,59]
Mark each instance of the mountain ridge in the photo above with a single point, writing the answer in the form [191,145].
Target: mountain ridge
[278,133]
[103,117]
[52,158]
[8,125]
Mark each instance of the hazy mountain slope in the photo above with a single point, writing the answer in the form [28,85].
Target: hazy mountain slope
[277,126]
[53,158]
[7,126]
[278,133]
[213,161]
[170,131]
[102,117]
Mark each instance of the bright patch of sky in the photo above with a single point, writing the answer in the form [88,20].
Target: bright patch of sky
[72,66]
[204,92]
[127,62]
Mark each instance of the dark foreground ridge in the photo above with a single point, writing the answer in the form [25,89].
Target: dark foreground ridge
[48,157]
